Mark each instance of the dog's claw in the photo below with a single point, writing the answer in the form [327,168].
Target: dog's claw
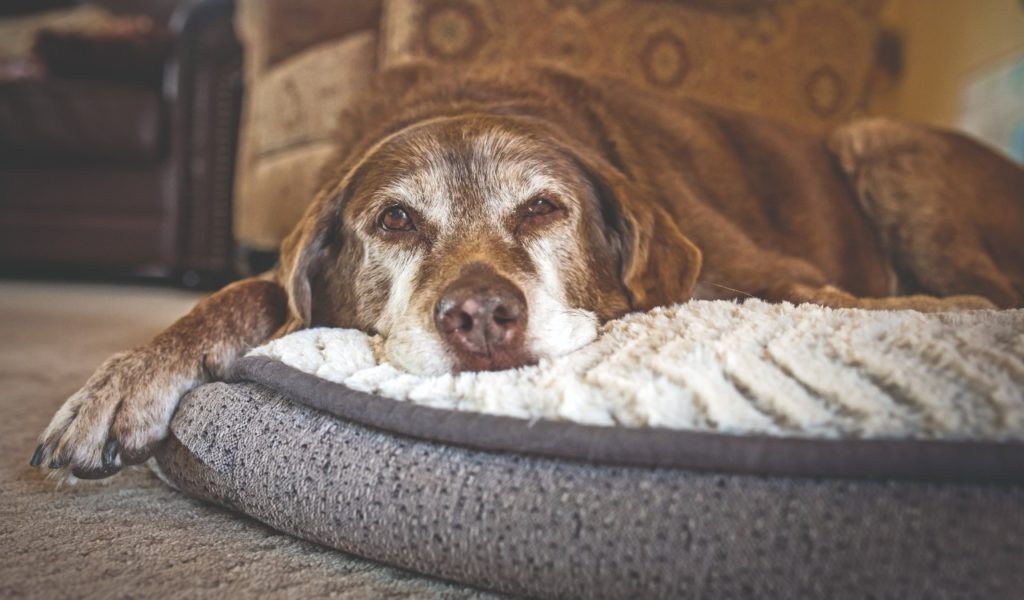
[126,392]
[37,456]
[110,452]
[104,471]
[206,370]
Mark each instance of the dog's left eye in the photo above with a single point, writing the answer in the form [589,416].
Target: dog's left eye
[539,207]
[396,218]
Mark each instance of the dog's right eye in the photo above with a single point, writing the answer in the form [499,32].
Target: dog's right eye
[396,218]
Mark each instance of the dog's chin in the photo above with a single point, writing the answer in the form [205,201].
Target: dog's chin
[499,361]
[555,329]
[418,351]
[415,350]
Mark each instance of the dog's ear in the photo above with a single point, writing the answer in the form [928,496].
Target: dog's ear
[301,254]
[659,265]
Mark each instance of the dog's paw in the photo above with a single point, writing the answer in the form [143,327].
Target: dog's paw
[116,419]
[869,141]
[966,302]
[934,304]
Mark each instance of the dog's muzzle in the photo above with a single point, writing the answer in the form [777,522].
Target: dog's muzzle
[482,317]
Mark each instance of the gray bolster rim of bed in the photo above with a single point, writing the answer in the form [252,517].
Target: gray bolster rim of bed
[556,509]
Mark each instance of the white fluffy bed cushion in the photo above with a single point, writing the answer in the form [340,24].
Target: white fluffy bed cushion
[741,368]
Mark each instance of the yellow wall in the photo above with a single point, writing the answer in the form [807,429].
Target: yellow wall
[944,42]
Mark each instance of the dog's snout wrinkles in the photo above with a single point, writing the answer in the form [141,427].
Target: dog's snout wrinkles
[483,316]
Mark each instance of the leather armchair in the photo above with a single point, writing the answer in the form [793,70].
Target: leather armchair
[124,179]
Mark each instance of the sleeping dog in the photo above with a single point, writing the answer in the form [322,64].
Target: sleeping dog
[488,221]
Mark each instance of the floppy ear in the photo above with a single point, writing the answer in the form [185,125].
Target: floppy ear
[659,265]
[300,256]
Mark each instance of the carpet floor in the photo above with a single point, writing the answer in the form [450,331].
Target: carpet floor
[131,536]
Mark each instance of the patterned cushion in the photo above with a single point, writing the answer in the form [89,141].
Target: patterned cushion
[300,100]
[276,191]
[275,30]
[292,112]
[805,61]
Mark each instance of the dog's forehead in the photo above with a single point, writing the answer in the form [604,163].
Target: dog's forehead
[452,169]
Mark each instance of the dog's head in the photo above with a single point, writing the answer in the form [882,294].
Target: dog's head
[482,242]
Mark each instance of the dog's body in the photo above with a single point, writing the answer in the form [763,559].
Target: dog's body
[488,222]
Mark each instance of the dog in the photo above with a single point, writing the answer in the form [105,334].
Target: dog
[485,221]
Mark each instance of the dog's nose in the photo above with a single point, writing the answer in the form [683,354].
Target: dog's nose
[482,316]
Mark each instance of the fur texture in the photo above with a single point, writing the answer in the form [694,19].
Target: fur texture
[653,201]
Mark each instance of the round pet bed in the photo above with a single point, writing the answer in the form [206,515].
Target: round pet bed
[559,509]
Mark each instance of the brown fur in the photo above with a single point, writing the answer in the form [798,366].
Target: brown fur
[669,200]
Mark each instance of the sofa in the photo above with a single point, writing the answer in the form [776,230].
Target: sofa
[117,155]
[803,61]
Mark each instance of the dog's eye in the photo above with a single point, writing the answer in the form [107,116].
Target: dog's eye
[396,219]
[539,207]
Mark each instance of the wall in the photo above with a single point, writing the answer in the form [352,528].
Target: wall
[945,42]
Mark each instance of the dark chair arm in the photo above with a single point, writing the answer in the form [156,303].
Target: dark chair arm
[21,8]
[203,88]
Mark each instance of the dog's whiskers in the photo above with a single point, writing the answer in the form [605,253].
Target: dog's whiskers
[725,287]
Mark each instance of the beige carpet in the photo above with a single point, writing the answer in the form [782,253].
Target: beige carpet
[132,536]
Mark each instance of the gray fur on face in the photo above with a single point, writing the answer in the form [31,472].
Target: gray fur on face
[465,197]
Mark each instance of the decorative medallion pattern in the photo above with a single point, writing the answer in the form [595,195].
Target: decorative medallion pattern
[452,30]
[665,59]
[803,61]
[825,91]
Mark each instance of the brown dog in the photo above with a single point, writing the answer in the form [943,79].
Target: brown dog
[488,222]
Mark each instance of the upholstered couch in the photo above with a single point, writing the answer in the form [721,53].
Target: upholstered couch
[804,61]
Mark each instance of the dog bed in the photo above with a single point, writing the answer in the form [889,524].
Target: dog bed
[712,448]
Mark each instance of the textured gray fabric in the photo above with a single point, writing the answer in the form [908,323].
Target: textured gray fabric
[558,528]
